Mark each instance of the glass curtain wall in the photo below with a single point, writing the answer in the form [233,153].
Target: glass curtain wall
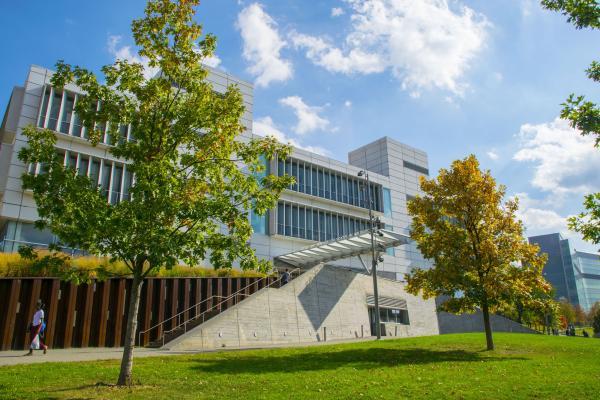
[310,223]
[57,114]
[328,184]
[113,177]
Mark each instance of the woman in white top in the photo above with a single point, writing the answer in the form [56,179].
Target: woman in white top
[36,329]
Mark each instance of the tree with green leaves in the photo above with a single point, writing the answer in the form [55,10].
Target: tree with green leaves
[567,311]
[596,322]
[583,114]
[195,178]
[580,316]
[480,258]
[588,222]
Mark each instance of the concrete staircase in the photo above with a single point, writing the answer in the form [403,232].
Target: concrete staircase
[324,303]
[179,325]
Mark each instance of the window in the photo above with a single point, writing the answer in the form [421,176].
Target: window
[333,187]
[54,111]
[116,185]
[295,221]
[280,167]
[301,181]
[329,222]
[127,182]
[95,171]
[280,219]
[72,160]
[315,184]
[82,168]
[387,202]
[258,222]
[77,125]
[106,170]
[44,110]
[295,175]
[322,229]
[288,169]
[123,133]
[309,224]
[335,229]
[302,222]
[65,122]
[315,227]
[415,167]
[394,315]
[288,220]
[321,183]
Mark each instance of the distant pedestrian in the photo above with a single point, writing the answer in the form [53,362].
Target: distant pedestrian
[584,333]
[36,330]
[285,278]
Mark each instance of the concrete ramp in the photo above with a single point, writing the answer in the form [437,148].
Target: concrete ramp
[324,303]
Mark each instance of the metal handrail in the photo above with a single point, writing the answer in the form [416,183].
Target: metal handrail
[234,295]
[218,305]
[140,333]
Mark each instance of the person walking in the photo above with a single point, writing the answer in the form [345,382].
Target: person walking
[36,330]
[285,278]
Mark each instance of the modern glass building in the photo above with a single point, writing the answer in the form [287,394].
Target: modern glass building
[587,278]
[327,201]
[559,267]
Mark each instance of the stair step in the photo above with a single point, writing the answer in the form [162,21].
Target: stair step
[194,322]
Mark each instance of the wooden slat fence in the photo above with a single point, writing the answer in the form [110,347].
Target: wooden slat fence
[95,314]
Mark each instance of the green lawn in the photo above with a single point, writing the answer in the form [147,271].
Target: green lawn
[449,366]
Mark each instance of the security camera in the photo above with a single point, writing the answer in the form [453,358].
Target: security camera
[380,259]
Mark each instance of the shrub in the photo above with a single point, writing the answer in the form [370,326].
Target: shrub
[13,265]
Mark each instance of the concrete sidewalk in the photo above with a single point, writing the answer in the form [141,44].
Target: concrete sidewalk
[115,353]
[70,355]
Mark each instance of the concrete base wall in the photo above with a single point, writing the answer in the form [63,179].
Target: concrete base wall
[325,303]
[451,323]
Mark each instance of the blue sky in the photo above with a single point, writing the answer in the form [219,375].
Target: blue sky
[449,77]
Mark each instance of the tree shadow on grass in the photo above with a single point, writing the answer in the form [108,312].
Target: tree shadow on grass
[356,358]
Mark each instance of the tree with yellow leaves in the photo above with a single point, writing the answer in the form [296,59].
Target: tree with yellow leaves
[481,258]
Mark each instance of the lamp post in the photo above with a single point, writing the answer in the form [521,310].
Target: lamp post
[373,257]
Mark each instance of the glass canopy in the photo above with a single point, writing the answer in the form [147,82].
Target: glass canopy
[341,248]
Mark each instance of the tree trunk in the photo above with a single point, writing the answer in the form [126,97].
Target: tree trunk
[132,315]
[486,324]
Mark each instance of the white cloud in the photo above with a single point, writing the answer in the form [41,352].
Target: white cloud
[324,54]
[564,161]
[426,44]
[538,218]
[526,7]
[309,119]
[337,11]
[266,127]
[126,53]
[262,46]
[492,155]
[348,104]
[213,61]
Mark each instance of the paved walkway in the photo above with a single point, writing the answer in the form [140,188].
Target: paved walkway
[111,353]
[68,355]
